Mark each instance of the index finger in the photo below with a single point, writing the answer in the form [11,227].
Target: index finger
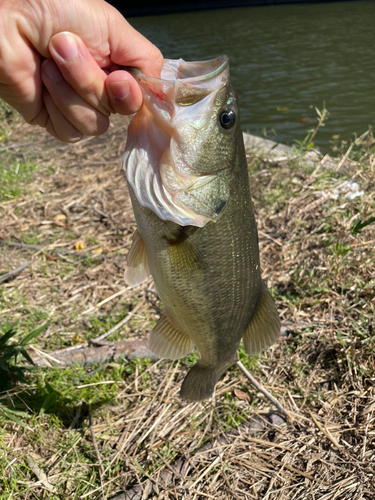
[135,50]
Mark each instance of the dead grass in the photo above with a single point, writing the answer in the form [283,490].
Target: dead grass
[323,280]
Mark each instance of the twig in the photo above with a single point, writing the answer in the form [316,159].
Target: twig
[263,390]
[41,475]
[130,349]
[101,468]
[97,340]
[357,141]
[120,323]
[308,475]
[182,466]
[77,416]
[108,299]
[325,431]
[63,251]
[270,237]
[103,214]
[15,272]
[204,473]
[44,354]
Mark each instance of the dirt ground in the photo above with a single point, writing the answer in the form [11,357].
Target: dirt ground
[119,430]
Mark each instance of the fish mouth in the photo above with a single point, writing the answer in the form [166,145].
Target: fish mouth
[156,162]
[178,69]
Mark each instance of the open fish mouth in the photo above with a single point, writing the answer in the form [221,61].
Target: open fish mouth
[195,72]
[164,164]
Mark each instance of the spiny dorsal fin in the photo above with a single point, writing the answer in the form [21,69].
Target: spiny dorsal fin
[264,327]
[137,270]
[167,341]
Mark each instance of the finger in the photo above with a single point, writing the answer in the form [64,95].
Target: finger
[20,83]
[124,93]
[83,116]
[57,125]
[80,70]
[41,118]
[133,49]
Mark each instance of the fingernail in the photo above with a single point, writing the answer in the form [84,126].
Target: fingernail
[65,45]
[120,90]
[50,69]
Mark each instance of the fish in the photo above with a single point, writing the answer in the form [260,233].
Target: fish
[186,169]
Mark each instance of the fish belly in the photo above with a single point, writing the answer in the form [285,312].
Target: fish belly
[213,303]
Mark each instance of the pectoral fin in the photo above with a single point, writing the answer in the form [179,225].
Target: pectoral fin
[185,254]
[167,341]
[137,270]
[264,327]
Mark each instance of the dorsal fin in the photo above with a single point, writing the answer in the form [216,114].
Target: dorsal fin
[264,327]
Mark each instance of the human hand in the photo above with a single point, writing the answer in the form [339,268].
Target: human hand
[59,64]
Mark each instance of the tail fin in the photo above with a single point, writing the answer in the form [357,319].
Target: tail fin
[200,382]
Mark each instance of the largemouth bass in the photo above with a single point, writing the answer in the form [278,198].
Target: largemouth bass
[186,169]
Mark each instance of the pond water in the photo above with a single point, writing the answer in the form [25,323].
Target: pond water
[286,60]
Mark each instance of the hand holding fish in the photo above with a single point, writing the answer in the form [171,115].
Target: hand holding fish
[59,64]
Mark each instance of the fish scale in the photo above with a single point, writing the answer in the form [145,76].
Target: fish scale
[207,273]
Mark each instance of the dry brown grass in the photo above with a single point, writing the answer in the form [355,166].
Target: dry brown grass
[322,369]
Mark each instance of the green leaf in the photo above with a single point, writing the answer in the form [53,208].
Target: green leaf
[139,466]
[33,334]
[26,355]
[49,399]
[9,332]
[12,415]
[359,225]
[47,403]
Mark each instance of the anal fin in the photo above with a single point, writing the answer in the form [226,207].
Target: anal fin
[264,327]
[167,341]
[137,269]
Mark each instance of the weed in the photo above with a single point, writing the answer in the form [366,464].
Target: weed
[322,279]
[307,143]
[10,351]
[13,178]
[359,224]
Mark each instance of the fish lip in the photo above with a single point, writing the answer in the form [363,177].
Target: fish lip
[222,63]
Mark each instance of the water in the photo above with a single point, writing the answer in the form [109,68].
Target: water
[285,61]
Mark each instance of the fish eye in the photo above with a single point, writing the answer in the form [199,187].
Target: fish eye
[227,119]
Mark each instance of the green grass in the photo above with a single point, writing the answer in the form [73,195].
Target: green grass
[15,172]
[8,116]
[13,178]
[317,271]
[49,404]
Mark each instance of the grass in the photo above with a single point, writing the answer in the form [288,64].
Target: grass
[58,427]
[13,179]
[15,170]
